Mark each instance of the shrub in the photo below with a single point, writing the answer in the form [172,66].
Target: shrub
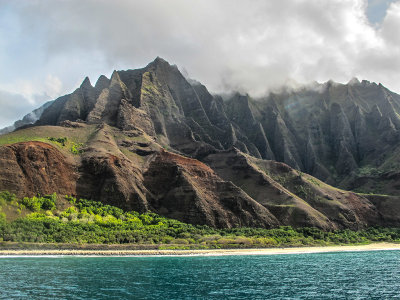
[76,148]
[31,203]
[7,196]
[180,241]
[62,140]
[47,202]
[93,222]
[2,221]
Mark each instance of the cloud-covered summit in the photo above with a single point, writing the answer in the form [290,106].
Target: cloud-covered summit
[251,46]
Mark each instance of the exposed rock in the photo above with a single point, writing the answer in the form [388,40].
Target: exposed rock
[329,130]
[295,199]
[112,179]
[344,134]
[187,190]
[71,124]
[32,168]
[130,117]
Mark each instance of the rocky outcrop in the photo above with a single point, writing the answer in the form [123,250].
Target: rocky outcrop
[188,190]
[127,168]
[32,168]
[344,134]
[327,130]
[294,197]
[148,179]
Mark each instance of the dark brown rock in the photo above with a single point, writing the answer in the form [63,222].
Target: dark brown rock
[32,168]
[345,134]
[187,190]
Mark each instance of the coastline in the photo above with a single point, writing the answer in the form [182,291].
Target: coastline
[201,252]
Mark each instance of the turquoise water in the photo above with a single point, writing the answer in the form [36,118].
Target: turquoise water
[350,275]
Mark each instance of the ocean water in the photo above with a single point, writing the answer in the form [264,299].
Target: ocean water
[348,275]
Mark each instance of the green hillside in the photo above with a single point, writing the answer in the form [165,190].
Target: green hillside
[56,219]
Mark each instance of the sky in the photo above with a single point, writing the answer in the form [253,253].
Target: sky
[48,47]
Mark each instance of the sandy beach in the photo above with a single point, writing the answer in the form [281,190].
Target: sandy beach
[206,252]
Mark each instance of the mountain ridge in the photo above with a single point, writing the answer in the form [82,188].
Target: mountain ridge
[139,122]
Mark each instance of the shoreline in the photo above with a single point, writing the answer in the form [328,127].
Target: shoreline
[202,252]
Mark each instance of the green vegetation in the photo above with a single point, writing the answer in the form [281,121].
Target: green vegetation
[47,202]
[283,180]
[61,141]
[8,139]
[85,221]
[67,140]
[295,184]
[303,191]
[313,181]
[75,148]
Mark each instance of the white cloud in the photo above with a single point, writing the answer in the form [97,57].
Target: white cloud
[53,86]
[13,106]
[249,45]
[391,25]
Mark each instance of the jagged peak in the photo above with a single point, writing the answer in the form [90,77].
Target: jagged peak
[116,79]
[102,82]
[242,97]
[115,76]
[158,62]
[86,83]
[331,84]
[354,81]
[365,82]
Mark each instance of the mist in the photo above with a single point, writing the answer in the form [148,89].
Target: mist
[252,46]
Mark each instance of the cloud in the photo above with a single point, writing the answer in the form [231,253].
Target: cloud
[247,45]
[13,107]
[23,96]
[53,86]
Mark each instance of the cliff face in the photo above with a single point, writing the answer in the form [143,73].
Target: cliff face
[188,190]
[30,168]
[129,170]
[160,143]
[345,135]
[337,133]
[292,196]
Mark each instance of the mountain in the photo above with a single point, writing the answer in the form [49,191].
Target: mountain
[346,135]
[149,139]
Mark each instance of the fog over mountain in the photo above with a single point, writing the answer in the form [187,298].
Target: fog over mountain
[246,46]
[149,140]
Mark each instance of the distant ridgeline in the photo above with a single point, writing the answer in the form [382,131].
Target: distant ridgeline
[150,140]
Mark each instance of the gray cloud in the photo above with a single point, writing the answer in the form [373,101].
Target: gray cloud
[14,106]
[251,46]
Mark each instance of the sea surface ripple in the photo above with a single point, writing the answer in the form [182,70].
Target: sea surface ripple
[346,275]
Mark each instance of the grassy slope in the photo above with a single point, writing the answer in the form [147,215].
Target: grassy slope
[102,138]
[106,138]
